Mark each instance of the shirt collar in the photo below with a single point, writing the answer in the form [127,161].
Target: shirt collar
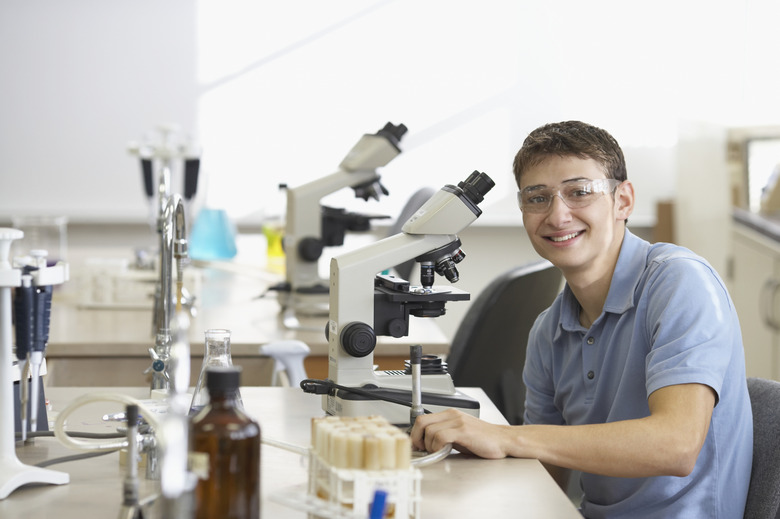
[628,271]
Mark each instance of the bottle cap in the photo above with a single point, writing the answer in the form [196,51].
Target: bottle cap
[222,379]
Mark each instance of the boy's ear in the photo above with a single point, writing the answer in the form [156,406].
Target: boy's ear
[624,200]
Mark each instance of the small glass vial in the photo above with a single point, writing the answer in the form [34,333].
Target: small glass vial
[217,354]
[225,446]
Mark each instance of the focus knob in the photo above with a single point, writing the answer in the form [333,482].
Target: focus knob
[310,249]
[358,339]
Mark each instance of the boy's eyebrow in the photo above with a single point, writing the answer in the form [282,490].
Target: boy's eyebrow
[542,186]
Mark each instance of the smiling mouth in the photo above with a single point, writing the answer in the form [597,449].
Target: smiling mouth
[565,237]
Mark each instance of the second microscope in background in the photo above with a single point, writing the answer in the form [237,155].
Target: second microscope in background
[310,226]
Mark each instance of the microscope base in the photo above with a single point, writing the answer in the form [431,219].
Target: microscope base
[14,474]
[346,403]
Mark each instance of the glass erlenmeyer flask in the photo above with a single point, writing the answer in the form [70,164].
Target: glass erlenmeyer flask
[217,354]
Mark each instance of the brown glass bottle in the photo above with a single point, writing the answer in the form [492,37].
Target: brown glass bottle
[230,440]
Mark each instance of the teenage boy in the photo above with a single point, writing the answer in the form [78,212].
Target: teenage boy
[635,375]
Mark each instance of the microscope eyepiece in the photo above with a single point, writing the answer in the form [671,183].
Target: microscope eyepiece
[476,186]
[392,132]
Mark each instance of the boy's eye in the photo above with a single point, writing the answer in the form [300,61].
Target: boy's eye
[578,192]
[538,198]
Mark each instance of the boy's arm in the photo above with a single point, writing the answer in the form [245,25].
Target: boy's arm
[665,443]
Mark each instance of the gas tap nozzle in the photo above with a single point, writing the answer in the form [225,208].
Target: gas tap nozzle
[415,360]
[131,507]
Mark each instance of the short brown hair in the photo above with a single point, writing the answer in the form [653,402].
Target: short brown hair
[571,138]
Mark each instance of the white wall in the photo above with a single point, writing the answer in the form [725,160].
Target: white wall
[274,95]
[79,79]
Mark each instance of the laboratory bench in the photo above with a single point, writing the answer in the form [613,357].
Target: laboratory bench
[101,333]
[459,486]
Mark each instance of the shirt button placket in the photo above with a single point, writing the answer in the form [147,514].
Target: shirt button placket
[590,341]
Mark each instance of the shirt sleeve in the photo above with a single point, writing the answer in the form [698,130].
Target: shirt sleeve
[691,325]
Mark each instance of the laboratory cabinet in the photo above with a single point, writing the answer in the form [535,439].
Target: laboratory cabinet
[755,290]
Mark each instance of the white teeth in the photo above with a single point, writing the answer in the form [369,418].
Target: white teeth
[564,238]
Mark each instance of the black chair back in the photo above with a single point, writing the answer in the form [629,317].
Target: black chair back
[488,350]
[763,500]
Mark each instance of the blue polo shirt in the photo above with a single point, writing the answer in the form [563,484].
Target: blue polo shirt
[667,320]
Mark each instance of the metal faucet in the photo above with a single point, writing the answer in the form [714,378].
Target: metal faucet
[172,229]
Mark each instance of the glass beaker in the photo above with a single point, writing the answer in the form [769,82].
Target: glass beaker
[217,354]
[213,236]
[49,233]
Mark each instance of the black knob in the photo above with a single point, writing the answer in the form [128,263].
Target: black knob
[397,328]
[358,339]
[310,249]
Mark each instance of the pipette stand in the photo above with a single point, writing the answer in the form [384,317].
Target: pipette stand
[13,473]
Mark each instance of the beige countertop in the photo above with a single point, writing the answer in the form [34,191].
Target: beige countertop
[457,487]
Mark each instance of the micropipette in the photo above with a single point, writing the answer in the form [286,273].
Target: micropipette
[41,317]
[23,316]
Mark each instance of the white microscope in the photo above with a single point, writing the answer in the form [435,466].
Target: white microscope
[309,227]
[364,305]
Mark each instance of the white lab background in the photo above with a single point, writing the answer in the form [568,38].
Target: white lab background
[278,92]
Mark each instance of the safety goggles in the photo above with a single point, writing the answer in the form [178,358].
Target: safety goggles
[575,194]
